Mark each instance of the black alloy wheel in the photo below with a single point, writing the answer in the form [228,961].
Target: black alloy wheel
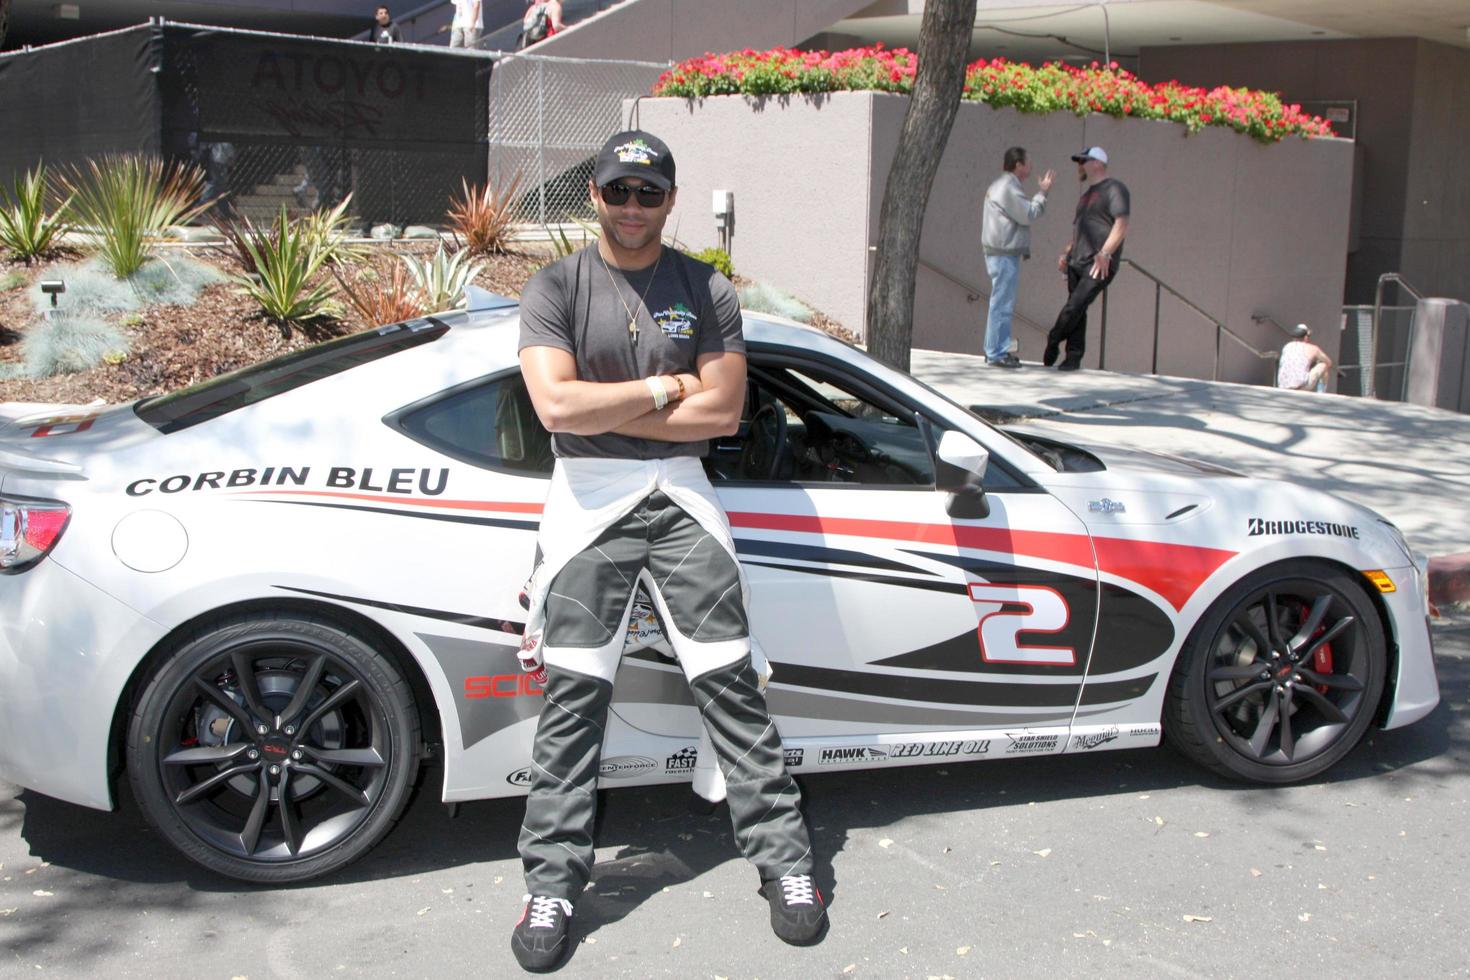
[1282,677]
[274,749]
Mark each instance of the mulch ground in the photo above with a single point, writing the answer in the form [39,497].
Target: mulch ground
[176,346]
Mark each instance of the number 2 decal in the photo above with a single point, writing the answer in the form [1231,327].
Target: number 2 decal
[1000,631]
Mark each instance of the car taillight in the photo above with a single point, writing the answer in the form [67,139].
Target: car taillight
[29,529]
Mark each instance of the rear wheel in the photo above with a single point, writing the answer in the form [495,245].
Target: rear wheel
[1281,677]
[274,749]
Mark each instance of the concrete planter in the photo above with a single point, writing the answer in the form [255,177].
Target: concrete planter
[1237,227]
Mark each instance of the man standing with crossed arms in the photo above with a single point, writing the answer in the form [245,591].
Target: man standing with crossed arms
[634,359]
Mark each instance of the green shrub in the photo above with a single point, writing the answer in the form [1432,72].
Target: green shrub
[91,288]
[443,278]
[326,231]
[761,298]
[716,257]
[287,256]
[25,227]
[69,344]
[175,280]
[129,202]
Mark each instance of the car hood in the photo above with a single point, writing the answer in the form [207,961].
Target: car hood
[1116,458]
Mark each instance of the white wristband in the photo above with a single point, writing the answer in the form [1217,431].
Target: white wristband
[660,393]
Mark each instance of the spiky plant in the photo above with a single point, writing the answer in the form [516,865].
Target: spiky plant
[26,229]
[380,300]
[129,202]
[327,230]
[483,216]
[286,257]
[442,279]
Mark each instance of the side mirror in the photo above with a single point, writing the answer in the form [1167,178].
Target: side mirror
[959,469]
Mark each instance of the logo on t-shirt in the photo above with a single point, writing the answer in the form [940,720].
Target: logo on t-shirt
[677,322]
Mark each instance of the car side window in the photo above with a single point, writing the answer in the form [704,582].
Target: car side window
[802,426]
[489,423]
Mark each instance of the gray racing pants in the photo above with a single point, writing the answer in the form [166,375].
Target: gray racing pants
[695,587]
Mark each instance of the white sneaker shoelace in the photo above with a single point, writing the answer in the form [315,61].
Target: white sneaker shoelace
[797,890]
[542,914]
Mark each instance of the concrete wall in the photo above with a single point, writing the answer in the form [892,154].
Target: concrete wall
[1236,226]
[1413,124]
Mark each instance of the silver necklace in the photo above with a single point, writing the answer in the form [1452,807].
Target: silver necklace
[632,314]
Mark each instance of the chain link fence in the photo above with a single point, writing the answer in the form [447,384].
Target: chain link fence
[548,118]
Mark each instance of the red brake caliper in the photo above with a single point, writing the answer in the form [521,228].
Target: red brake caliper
[1322,659]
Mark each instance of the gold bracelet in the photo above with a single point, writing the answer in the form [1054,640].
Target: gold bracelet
[680,382]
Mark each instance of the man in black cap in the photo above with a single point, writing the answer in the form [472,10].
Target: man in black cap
[1091,258]
[634,359]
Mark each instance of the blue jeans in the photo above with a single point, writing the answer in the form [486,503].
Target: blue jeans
[1005,272]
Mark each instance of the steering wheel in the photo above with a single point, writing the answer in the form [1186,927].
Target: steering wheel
[765,443]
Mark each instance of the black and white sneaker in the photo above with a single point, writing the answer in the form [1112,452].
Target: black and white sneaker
[798,915]
[1006,361]
[540,940]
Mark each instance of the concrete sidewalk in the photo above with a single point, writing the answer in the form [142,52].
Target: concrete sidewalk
[1409,463]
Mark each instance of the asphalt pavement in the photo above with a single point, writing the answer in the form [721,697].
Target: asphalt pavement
[1131,863]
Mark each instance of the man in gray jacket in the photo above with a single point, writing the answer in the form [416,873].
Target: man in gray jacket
[1006,237]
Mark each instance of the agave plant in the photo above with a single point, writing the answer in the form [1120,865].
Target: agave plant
[129,202]
[286,257]
[380,300]
[327,230]
[483,217]
[25,227]
[443,278]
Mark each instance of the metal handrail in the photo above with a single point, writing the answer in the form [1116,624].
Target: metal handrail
[974,293]
[1268,318]
[1397,280]
[1221,330]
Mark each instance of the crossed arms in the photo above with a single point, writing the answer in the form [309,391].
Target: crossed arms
[710,407]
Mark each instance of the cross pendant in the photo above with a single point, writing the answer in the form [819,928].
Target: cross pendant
[633,328]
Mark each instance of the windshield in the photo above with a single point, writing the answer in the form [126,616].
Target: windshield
[228,392]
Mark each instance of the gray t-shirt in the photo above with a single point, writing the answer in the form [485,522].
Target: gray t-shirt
[573,305]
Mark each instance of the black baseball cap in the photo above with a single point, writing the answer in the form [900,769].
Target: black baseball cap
[635,153]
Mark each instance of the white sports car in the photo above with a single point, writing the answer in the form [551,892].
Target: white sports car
[272,596]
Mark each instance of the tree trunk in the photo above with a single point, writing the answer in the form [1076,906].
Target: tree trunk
[944,42]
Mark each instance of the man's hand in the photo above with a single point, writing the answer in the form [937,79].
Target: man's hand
[1046,180]
[1101,263]
[1062,260]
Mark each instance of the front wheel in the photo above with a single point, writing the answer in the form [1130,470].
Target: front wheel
[1282,676]
[274,748]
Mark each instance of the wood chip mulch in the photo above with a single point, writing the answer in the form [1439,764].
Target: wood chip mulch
[176,346]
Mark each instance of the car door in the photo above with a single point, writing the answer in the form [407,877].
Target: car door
[879,611]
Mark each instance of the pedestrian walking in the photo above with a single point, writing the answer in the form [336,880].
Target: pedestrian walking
[1303,365]
[1091,258]
[1005,237]
[634,359]
[468,23]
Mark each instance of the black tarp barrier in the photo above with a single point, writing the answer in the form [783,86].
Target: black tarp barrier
[67,102]
[272,119]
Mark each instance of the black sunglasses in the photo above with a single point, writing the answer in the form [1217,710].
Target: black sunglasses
[648,196]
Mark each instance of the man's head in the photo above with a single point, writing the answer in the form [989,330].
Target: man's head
[382,14]
[632,188]
[1017,163]
[1092,164]
[1301,331]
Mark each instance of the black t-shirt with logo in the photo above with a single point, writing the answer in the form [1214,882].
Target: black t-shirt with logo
[581,305]
[1097,208]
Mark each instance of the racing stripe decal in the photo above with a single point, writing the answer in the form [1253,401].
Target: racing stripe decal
[395,512]
[1174,571]
[1032,694]
[507,506]
[1070,549]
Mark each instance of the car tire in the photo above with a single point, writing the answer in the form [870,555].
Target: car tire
[254,779]
[1282,704]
